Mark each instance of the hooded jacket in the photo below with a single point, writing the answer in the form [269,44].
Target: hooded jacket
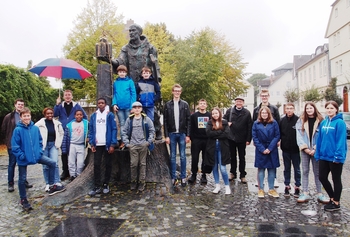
[111,131]
[43,131]
[148,92]
[27,144]
[124,93]
[331,143]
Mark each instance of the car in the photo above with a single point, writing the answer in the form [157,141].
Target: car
[346,118]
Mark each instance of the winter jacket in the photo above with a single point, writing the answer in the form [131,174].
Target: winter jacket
[148,92]
[8,125]
[169,120]
[288,134]
[303,137]
[274,110]
[111,132]
[124,93]
[60,112]
[331,143]
[241,127]
[266,137]
[68,133]
[43,131]
[27,144]
[222,136]
[147,126]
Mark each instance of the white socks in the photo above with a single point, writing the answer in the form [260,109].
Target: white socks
[228,189]
[217,188]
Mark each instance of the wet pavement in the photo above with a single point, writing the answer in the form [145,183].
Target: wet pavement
[190,211]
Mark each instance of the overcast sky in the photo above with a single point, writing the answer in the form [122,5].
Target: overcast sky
[268,32]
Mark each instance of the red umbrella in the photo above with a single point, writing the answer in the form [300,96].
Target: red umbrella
[61,68]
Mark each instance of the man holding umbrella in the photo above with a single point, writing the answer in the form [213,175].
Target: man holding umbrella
[65,112]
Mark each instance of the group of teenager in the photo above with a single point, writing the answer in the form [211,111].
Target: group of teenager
[307,139]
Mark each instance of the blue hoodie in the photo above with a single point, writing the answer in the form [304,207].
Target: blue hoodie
[332,144]
[27,145]
[124,93]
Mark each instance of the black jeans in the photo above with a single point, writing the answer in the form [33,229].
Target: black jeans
[100,151]
[197,145]
[336,169]
[240,147]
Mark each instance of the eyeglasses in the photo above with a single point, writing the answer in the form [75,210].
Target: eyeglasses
[264,96]
[177,91]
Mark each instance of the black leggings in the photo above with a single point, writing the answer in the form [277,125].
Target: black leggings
[336,169]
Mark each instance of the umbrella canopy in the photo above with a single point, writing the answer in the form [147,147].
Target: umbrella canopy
[61,68]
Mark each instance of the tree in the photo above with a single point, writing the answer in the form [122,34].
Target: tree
[291,95]
[313,94]
[97,19]
[331,92]
[18,83]
[207,66]
[254,79]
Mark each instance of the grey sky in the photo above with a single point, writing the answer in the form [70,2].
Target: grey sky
[268,32]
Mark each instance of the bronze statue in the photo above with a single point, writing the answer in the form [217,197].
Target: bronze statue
[139,53]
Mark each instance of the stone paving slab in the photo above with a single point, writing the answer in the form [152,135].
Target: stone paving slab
[190,211]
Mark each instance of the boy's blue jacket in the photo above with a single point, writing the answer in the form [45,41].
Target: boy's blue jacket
[27,145]
[331,142]
[111,132]
[148,92]
[124,93]
[67,135]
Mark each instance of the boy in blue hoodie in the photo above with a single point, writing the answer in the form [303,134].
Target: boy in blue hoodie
[148,92]
[103,139]
[27,147]
[124,94]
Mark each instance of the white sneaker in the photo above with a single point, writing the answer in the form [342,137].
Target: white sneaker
[47,188]
[217,188]
[228,189]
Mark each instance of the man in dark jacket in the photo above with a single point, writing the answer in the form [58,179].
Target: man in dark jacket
[176,122]
[240,122]
[264,96]
[8,125]
[290,149]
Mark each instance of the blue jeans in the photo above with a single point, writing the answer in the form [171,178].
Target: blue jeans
[271,174]
[51,152]
[178,138]
[122,114]
[218,164]
[288,160]
[11,167]
[22,174]
[149,112]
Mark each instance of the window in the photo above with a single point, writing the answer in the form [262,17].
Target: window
[324,67]
[314,72]
[338,38]
[301,78]
[336,68]
[336,12]
[277,93]
[320,68]
[335,40]
[305,77]
[340,66]
[309,74]
[347,3]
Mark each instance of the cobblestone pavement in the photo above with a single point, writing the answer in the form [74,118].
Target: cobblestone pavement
[190,211]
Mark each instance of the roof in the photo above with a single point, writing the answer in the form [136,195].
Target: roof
[287,66]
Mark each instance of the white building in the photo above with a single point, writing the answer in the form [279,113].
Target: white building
[338,34]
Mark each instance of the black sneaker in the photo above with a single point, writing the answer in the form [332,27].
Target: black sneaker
[71,178]
[56,189]
[11,188]
[192,179]
[296,192]
[286,191]
[94,191]
[204,179]
[331,206]
[28,185]
[133,185]
[183,182]
[25,205]
[64,175]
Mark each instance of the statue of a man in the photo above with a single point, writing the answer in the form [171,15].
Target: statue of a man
[138,53]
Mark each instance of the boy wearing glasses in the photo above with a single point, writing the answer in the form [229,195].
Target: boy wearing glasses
[264,96]
[138,135]
[177,131]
